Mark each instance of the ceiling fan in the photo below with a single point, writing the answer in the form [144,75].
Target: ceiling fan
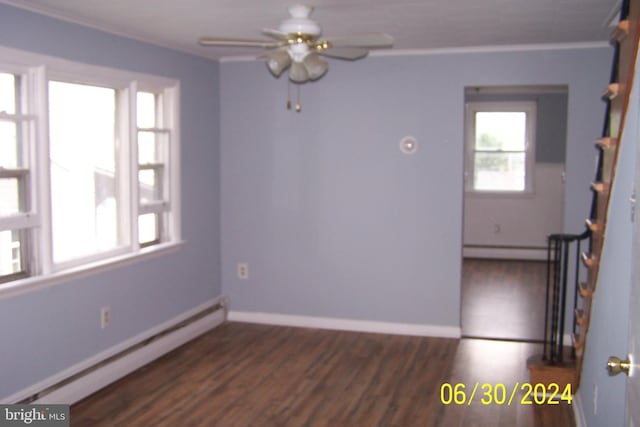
[297,45]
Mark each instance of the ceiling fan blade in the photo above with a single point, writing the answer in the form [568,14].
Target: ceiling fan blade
[362,40]
[344,52]
[276,34]
[219,41]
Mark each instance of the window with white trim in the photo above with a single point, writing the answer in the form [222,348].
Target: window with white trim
[500,147]
[16,178]
[154,140]
[88,167]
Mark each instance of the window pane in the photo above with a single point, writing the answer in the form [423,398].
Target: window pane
[83,171]
[8,93]
[500,131]
[9,196]
[147,148]
[10,156]
[10,252]
[148,228]
[499,171]
[13,134]
[146,110]
[150,188]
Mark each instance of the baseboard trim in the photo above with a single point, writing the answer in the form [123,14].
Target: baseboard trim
[505,253]
[345,324]
[578,411]
[101,377]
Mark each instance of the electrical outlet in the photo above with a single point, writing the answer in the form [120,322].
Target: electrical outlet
[105,317]
[243,270]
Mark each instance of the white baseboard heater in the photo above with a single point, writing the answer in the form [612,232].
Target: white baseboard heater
[532,253]
[84,379]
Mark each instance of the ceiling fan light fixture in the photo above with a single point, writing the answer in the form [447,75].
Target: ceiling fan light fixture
[298,72]
[316,66]
[278,61]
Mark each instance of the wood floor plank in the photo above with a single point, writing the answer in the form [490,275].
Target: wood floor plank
[503,299]
[255,375]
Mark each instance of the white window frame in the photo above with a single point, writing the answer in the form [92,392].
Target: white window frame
[36,71]
[165,122]
[27,174]
[471,108]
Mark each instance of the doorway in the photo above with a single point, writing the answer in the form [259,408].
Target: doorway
[515,143]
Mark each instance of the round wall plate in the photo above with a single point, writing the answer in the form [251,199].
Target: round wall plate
[408,145]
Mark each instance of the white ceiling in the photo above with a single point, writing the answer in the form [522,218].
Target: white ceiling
[414,24]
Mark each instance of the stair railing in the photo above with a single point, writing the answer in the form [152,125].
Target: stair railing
[563,256]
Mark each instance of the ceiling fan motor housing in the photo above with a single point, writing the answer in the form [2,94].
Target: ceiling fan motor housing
[299,23]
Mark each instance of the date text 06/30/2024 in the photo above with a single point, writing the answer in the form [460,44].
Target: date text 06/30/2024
[500,394]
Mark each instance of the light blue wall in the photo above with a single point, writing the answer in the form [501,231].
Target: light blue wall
[610,311]
[551,129]
[46,331]
[333,220]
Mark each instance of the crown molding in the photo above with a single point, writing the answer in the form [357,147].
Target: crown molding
[488,49]
[458,50]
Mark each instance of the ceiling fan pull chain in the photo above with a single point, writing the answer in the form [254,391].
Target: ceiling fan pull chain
[288,95]
[298,106]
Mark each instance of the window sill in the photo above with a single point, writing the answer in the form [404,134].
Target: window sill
[22,286]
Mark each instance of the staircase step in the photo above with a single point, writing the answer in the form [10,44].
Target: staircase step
[621,32]
[541,372]
[593,225]
[613,90]
[585,290]
[607,142]
[578,341]
[600,187]
[589,260]
[581,317]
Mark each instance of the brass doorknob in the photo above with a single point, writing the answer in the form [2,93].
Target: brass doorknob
[615,365]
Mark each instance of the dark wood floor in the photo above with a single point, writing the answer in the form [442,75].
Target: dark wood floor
[255,375]
[503,299]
